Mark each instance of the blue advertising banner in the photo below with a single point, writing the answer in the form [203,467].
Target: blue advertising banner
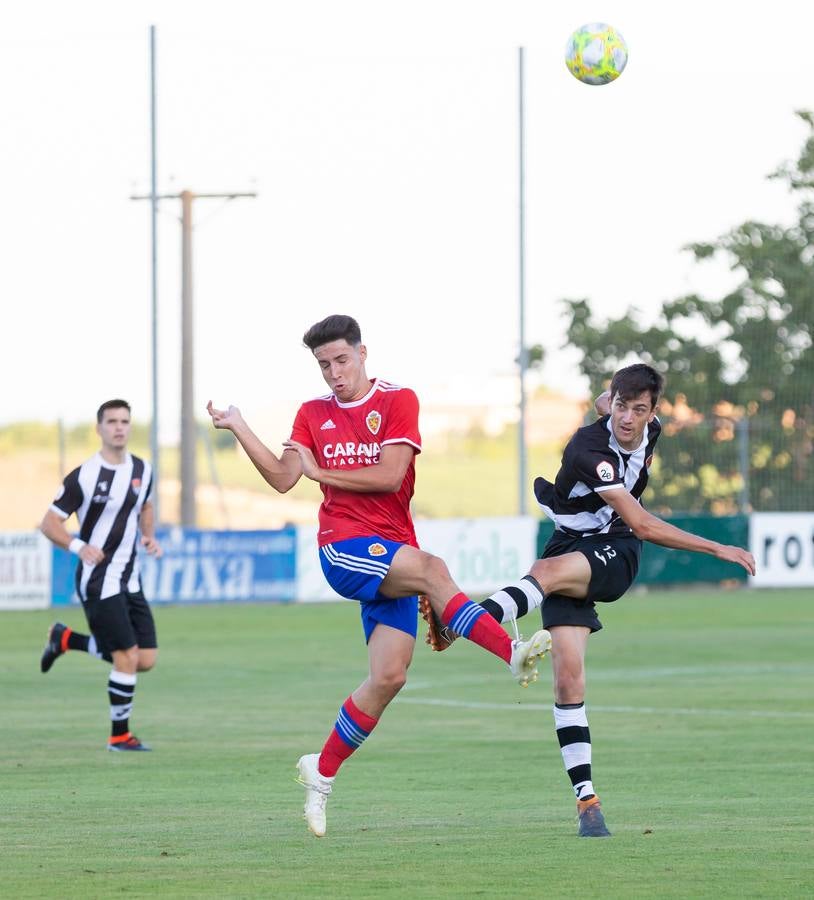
[204,567]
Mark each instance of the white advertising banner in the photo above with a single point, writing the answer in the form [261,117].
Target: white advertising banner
[25,570]
[482,554]
[310,583]
[783,547]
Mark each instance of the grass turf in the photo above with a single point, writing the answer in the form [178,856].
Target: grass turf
[701,714]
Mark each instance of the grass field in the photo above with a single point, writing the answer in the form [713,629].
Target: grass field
[701,713]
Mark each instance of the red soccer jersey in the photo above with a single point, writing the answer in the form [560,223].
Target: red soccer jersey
[349,435]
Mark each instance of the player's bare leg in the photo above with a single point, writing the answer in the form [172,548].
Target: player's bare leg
[390,652]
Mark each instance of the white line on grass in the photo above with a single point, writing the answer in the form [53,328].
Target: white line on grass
[646,710]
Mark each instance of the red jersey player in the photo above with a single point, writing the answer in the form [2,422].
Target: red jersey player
[359,442]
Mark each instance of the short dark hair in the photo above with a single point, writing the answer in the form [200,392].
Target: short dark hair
[334,328]
[634,380]
[110,404]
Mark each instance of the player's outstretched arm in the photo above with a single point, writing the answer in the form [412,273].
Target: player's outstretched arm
[281,473]
[648,527]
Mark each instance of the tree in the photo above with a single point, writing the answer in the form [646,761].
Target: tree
[740,369]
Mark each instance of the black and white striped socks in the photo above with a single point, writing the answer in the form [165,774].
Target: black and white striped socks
[515,601]
[120,689]
[575,745]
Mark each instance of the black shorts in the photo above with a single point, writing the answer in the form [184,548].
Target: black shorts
[614,562]
[120,622]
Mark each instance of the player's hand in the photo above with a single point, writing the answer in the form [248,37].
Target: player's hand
[309,464]
[91,555]
[737,555]
[224,418]
[152,546]
[602,403]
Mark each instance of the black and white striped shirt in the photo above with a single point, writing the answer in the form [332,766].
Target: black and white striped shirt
[592,463]
[107,500]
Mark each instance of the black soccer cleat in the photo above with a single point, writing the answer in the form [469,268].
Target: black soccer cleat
[53,649]
[591,820]
[129,744]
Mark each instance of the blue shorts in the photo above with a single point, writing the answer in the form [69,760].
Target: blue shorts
[355,568]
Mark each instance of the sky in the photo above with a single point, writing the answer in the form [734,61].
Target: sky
[381,139]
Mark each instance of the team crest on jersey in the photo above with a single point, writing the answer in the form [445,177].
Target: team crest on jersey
[374,421]
[135,484]
[605,471]
[648,461]
[377,550]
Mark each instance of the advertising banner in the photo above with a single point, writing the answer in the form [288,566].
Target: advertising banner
[206,566]
[783,547]
[25,570]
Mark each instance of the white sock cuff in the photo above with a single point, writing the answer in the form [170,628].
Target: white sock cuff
[533,593]
[122,677]
[565,717]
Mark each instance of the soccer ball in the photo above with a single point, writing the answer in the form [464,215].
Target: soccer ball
[596,53]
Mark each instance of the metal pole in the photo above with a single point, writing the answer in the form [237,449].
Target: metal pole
[742,429]
[188,429]
[523,357]
[154,305]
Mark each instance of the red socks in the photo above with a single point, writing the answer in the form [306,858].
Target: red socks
[352,726]
[473,622]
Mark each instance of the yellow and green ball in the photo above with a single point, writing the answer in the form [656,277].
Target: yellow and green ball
[596,54]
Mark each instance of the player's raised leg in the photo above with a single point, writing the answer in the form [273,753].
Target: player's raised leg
[415,571]
[61,639]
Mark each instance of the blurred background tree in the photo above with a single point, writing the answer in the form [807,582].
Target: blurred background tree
[740,369]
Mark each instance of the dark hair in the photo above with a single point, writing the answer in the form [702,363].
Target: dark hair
[111,404]
[334,328]
[634,380]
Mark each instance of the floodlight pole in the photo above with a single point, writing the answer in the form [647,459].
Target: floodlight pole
[523,355]
[154,279]
[189,433]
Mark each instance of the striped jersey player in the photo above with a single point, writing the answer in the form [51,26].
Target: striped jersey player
[359,443]
[110,496]
[593,555]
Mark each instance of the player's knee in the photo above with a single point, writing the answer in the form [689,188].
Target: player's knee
[436,570]
[126,660]
[542,570]
[391,681]
[146,660]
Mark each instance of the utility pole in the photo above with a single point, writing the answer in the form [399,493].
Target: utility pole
[188,427]
[522,453]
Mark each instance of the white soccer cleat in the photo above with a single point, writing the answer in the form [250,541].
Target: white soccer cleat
[317,788]
[525,655]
